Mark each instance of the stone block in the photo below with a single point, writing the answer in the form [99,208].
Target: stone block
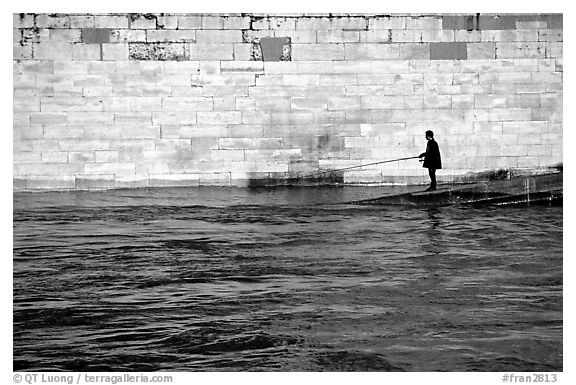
[65,35]
[115,52]
[490,101]
[48,118]
[173,180]
[53,51]
[302,52]
[142,21]
[340,36]
[187,104]
[38,169]
[109,168]
[309,80]
[216,36]
[63,104]
[406,36]
[301,36]
[481,51]
[280,68]
[167,22]
[213,51]
[52,21]
[85,52]
[127,36]
[94,182]
[41,145]
[219,117]
[189,22]
[212,22]
[26,157]
[308,103]
[462,101]
[54,157]
[438,35]
[96,35]
[242,66]
[132,118]
[236,22]
[448,51]
[424,23]
[510,114]
[26,105]
[23,20]
[170,36]
[113,22]
[156,51]
[22,52]
[437,101]
[523,101]
[382,102]
[419,51]
[387,22]
[32,132]
[227,155]
[370,51]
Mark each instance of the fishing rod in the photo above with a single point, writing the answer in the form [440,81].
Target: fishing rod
[351,167]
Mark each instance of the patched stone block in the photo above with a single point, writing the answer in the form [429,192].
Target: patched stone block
[95,35]
[448,51]
[275,49]
[156,51]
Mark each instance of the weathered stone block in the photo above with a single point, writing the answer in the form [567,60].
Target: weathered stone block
[22,52]
[448,51]
[22,20]
[142,21]
[156,51]
[52,21]
[167,22]
[387,22]
[490,101]
[437,101]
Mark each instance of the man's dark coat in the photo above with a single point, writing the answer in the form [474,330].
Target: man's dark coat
[432,155]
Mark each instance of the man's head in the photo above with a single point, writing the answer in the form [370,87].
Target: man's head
[429,135]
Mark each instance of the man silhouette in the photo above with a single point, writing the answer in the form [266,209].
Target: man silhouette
[432,159]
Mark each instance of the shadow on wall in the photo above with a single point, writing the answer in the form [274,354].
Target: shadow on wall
[307,169]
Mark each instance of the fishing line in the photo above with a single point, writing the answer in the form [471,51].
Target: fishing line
[351,167]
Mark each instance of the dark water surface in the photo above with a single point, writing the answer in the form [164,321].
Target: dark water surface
[282,279]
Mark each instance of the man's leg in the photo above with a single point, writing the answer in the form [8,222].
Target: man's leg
[432,173]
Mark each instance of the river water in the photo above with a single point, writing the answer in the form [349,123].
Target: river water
[285,279]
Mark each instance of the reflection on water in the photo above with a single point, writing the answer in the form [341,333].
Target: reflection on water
[282,279]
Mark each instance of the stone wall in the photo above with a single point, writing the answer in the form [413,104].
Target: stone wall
[143,100]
